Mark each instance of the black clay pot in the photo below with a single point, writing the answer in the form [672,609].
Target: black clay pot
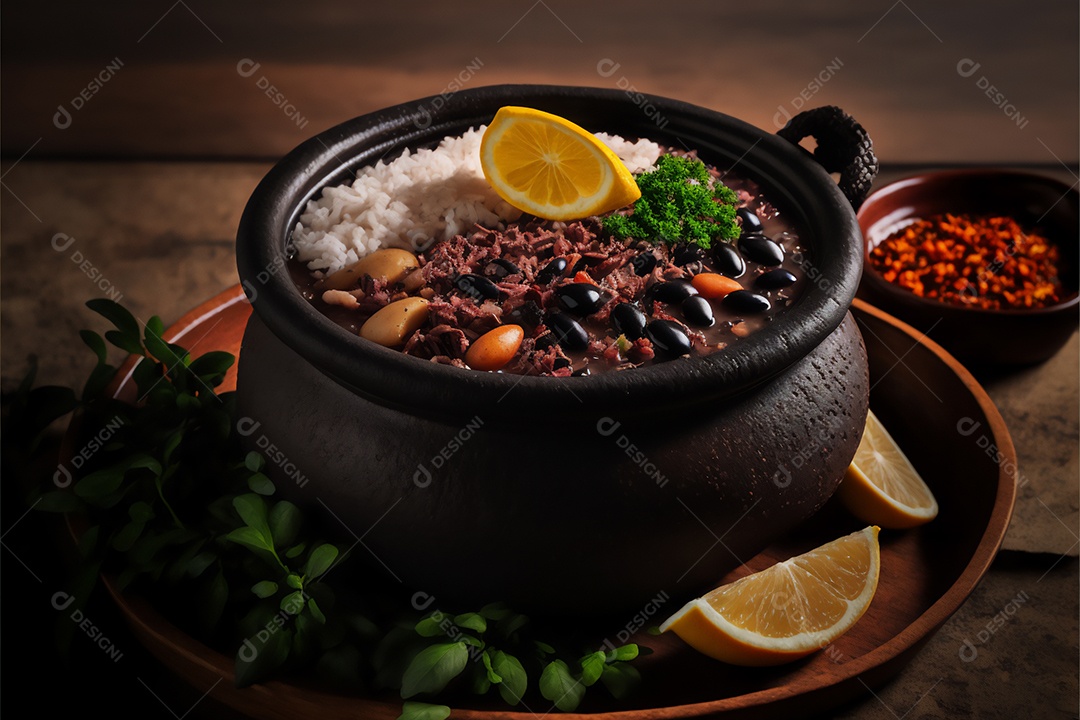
[556,495]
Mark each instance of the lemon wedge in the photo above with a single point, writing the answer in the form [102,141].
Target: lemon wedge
[546,165]
[882,486]
[787,611]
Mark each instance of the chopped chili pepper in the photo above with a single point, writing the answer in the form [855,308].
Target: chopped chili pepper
[989,263]
[583,277]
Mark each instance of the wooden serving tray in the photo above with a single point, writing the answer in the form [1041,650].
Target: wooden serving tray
[926,399]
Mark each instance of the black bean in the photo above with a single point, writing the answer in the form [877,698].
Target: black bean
[528,313]
[687,254]
[502,268]
[668,337]
[477,287]
[751,223]
[672,291]
[744,301]
[727,260]
[580,298]
[582,372]
[761,249]
[698,311]
[561,362]
[628,320]
[775,279]
[579,266]
[552,270]
[568,333]
[643,263]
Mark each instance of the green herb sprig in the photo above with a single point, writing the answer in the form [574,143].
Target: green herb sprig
[679,203]
[173,504]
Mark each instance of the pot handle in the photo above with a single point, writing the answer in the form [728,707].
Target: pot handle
[843,146]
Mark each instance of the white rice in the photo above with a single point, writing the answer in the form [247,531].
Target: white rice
[416,199]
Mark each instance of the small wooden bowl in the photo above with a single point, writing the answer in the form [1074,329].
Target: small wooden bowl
[974,335]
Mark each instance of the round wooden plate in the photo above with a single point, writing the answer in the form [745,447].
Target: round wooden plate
[934,408]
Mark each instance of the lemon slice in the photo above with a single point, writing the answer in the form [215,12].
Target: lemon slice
[548,166]
[787,611]
[881,485]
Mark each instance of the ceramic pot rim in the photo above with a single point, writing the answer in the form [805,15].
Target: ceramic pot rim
[788,175]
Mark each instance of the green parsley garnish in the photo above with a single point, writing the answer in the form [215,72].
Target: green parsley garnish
[679,203]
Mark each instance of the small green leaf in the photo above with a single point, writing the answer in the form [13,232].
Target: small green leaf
[210,602]
[423,711]
[115,313]
[95,343]
[256,660]
[293,603]
[492,676]
[514,678]
[252,509]
[88,541]
[125,539]
[431,626]
[512,623]
[264,589]
[260,484]
[99,484]
[495,611]
[249,537]
[155,325]
[141,512]
[215,362]
[544,648]
[623,654]
[58,501]
[592,666]
[316,611]
[285,520]
[295,551]
[471,621]
[470,640]
[434,667]
[620,679]
[199,563]
[127,343]
[560,687]
[320,560]
[253,461]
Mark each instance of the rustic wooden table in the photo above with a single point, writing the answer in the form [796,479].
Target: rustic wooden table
[134,135]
